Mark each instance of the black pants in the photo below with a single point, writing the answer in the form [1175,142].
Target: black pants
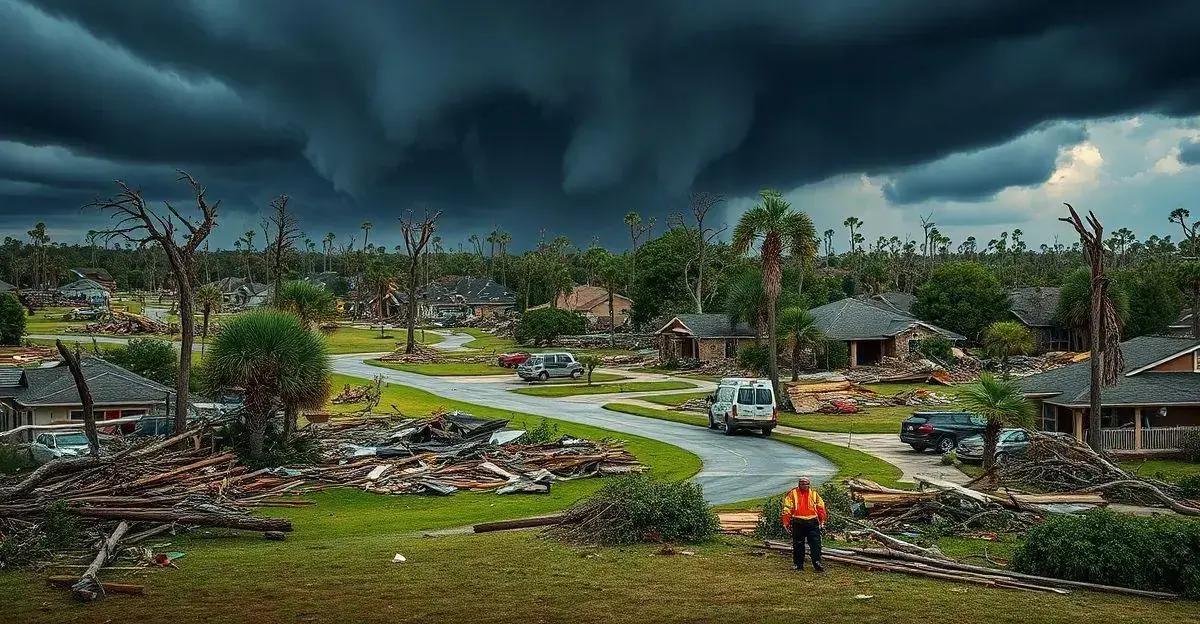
[802,531]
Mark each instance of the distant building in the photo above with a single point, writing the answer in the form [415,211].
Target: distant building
[252,295]
[899,301]
[873,330]
[100,276]
[703,337]
[470,297]
[86,291]
[592,303]
[43,396]
[229,287]
[1033,307]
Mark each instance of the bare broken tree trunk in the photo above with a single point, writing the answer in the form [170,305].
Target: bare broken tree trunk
[416,237]
[89,588]
[85,398]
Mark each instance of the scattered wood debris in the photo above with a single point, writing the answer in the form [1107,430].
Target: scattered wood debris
[838,394]
[453,451]
[127,323]
[22,356]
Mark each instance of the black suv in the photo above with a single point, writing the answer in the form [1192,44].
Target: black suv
[939,430]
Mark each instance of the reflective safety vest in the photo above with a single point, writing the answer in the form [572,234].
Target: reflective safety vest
[802,506]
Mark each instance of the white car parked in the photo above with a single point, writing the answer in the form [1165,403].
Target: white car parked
[742,403]
[53,445]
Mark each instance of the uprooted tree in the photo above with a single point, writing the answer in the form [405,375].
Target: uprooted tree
[139,224]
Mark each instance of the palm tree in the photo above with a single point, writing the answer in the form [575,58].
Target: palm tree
[800,330]
[745,300]
[1004,339]
[209,298]
[366,228]
[276,363]
[310,302]
[781,229]
[999,401]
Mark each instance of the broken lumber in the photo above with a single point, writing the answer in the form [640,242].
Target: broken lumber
[523,523]
[197,518]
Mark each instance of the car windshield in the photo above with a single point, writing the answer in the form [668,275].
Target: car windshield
[72,439]
[537,359]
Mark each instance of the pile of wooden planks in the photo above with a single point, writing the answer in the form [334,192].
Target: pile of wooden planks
[121,322]
[839,394]
[889,560]
[738,522]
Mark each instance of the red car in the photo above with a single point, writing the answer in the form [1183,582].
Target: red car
[511,360]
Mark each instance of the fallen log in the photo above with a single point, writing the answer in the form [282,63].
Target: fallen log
[221,520]
[88,588]
[524,523]
[1168,501]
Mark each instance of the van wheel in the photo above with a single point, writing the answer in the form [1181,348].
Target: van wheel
[712,423]
[946,444]
[766,431]
[543,376]
[576,374]
[730,428]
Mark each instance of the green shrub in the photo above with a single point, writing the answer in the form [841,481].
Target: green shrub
[1101,546]
[1189,486]
[1190,446]
[12,320]
[639,508]
[151,358]
[754,358]
[544,432]
[949,459]
[545,325]
[837,505]
[15,458]
[934,348]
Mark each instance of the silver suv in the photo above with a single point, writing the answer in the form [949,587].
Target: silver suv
[543,366]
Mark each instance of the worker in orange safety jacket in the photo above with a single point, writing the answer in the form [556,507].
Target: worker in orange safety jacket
[803,516]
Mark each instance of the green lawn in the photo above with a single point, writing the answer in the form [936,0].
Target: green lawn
[607,388]
[1165,469]
[343,573]
[449,368]
[850,462]
[360,340]
[674,400]
[487,342]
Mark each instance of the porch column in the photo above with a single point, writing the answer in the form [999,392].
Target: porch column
[1078,414]
[853,354]
[1137,428]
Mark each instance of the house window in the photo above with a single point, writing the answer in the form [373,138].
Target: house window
[76,415]
[731,347]
[1049,420]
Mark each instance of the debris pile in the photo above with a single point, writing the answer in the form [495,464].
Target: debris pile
[120,322]
[950,509]
[1060,463]
[838,394]
[693,405]
[625,340]
[630,359]
[453,451]
[22,356]
[137,492]
[425,354]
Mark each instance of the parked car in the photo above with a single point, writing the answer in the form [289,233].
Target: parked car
[741,403]
[511,360]
[56,444]
[939,430]
[1011,443]
[543,366]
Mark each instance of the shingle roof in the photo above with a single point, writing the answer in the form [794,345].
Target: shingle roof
[852,319]
[229,284]
[1035,305]
[713,326]
[109,384]
[896,301]
[1071,385]
[83,284]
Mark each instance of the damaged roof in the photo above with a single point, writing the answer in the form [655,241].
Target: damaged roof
[853,319]
[1071,385]
[895,300]
[54,385]
[1035,305]
[467,290]
[712,326]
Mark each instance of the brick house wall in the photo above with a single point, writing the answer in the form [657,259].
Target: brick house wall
[899,346]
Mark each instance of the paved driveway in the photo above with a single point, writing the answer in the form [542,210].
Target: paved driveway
[735,468]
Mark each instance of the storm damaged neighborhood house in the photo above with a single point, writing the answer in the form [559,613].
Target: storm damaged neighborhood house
[465,297]
[1033,307]
[47,395]
[1150,408]
[703,337]
[873,330]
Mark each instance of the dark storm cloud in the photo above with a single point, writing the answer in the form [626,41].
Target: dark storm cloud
[979,175]
[1189,152]
[535,114]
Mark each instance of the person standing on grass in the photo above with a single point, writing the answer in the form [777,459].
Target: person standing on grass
[803,516]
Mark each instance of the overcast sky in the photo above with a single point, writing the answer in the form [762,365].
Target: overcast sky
[563,116]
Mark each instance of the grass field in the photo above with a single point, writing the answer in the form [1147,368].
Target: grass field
[1165,469]
[449,368]
[850,462]
[487,342]
[362,340]
[674,400]
[605,388]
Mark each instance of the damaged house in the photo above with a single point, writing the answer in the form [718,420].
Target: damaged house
[464,297]
[592,303]
[47,395]
[1153,405]
[703,337]
[1033,307]
[873,330]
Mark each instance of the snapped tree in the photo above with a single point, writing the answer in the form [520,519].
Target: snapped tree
[417,233]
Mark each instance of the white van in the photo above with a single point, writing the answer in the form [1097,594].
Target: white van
[742,403]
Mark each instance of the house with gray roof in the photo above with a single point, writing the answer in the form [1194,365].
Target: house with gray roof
[47,395]
[895,300]
[463,297]
[703,337]
[1033,307]
[873,330]
[86,291]
[1151,406]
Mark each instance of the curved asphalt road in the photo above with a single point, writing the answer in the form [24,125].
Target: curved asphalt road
[735,468]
